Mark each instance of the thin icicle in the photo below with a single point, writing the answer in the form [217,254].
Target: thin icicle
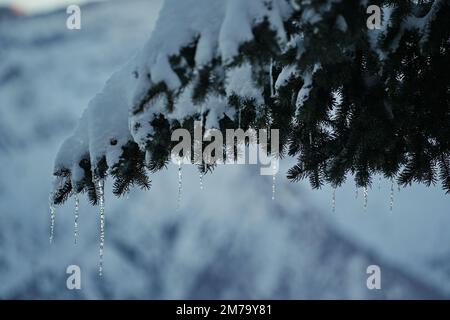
[356,192]
[239,118]
[77,209]
[391,203]
[379,183]
[203,164]
[272,93]
[202,184]
[180,185]
[274,179]
[273,186]
[333,202]
[100,188]
[52,217]
[366,195]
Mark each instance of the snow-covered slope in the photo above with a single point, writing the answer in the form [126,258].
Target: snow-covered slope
[229,240]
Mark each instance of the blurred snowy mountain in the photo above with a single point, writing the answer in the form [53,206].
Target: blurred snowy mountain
[7,12]
[229,240]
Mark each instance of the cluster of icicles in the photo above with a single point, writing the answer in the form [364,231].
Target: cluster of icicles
[366,196]
[100,190]
[100,185]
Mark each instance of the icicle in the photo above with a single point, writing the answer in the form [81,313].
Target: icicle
[52,217]
[272,94]
[366,194]
[391,203]
[100,187]
[398,187]
[202,185]
[239,118]
[274,180]
[201,176]
[201,180]
[356,192]
[379,183]
[180,185]
[333,202]
[77,209]
[204,164]
[273,186]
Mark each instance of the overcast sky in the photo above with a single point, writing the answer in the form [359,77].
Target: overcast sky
[35,6]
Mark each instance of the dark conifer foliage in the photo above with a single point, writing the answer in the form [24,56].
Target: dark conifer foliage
[352,101]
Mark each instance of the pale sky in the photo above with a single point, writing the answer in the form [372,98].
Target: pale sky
[35,6]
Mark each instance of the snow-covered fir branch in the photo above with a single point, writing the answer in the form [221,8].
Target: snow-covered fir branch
[310,68]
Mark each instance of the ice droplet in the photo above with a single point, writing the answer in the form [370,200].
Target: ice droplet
[391,203]
[100,188]
[77,209]
[180,185]
[52,217]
